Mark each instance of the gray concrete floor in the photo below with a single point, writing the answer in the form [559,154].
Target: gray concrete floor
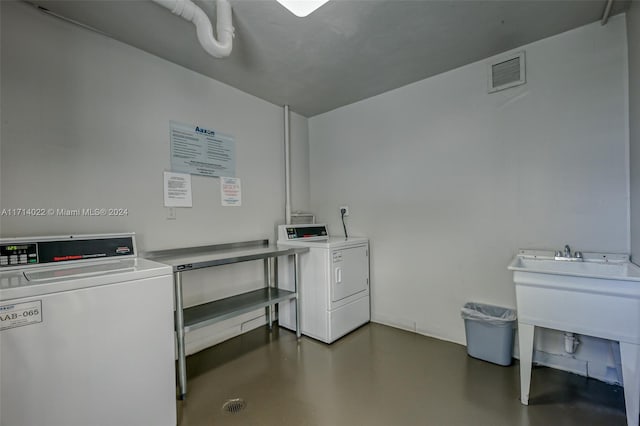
[380,375]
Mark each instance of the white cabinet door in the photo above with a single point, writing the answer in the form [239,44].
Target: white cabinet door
[349,271]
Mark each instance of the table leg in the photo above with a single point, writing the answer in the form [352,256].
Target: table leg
[179,320]
[267,278]
[525,339]
[275,308]
[296,283]
[630,357]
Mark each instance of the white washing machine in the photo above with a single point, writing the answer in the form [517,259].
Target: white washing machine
[86,333]
[334,282]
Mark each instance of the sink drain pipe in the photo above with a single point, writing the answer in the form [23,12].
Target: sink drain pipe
[571,343]
[218,48]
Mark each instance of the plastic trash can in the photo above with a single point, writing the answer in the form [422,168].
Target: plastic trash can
[489,331]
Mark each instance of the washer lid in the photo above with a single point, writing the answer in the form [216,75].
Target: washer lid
[329,243]
[78,271]
[46,280]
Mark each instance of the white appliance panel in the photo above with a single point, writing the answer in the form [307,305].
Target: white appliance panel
[86,334]
[68,369]
[350,272]
[314,294]
[334,285]
[342,319]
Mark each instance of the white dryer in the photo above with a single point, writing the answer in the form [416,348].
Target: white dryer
[334,282]
[86,333]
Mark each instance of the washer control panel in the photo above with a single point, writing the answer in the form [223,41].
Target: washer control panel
[20,253]
[300,232]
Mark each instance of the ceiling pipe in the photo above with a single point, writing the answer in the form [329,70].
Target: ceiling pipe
[607,12]
[218,48]
[287,166]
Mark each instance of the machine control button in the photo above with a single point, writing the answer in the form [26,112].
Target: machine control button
[13,259]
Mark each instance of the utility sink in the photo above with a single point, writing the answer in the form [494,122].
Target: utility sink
[593,265]
[596,296]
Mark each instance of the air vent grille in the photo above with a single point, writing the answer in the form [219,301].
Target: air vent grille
[302,218]
[506,73]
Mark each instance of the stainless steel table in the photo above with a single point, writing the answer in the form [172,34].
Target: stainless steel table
[191,258]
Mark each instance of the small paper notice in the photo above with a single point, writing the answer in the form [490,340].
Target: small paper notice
[177,190]
[231,191]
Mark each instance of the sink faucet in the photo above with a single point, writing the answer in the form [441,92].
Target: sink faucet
[566,255]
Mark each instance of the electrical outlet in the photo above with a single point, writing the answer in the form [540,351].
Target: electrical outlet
[346,210]
[171,213]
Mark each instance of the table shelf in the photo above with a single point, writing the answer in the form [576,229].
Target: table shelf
[192,258]
[206,314]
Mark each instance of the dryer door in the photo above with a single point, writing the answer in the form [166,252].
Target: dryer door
[350,271]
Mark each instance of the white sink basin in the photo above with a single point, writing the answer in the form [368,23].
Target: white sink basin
[599,296]
[595,265]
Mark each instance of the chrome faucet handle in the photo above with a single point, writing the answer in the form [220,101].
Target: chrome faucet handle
[558,253]
[578,255]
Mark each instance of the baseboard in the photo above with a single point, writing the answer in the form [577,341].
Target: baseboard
[411,326]
[561,362]
[401,323]
[217,333]
[595,370]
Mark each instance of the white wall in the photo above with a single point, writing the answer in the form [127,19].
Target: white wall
[85,123]
[449,181]
[633,36]
[300,195]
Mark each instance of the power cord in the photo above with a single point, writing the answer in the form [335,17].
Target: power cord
[342,212]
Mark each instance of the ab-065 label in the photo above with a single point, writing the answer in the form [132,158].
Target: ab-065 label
[14,315]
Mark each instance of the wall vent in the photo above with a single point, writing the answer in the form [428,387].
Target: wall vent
[507,72]
[302,218]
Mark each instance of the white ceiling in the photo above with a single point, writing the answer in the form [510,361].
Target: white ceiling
[346,51]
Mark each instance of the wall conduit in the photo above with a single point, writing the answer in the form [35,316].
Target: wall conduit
[218,48]
[606,13]
[287,165]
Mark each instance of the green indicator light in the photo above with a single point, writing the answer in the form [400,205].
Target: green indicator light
[33,260]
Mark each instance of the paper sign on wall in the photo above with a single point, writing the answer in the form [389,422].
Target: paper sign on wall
[177,190]
[201,151]
[231,191]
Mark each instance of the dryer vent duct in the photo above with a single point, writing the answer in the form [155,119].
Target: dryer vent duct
[218,48]
[507,72]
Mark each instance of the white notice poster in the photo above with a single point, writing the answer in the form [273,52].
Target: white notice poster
[177,190]
[231,191]
[201,151]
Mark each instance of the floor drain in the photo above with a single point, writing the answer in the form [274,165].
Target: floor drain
[234,405]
